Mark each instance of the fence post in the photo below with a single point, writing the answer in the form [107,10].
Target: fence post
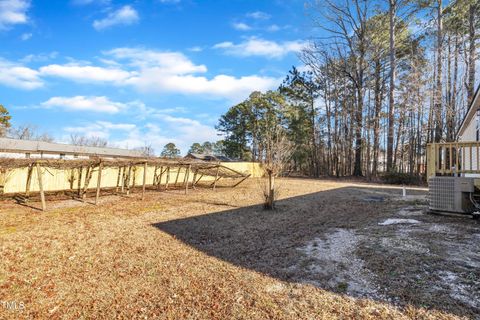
[40,186]
[3,179]
[29,182]
[186,178]
[144,180]
[99,182]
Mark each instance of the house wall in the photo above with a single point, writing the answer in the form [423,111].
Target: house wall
[469,134]
[14,180]
[39,147]
[438,154]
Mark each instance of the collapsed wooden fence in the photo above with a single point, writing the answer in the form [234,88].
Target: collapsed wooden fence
[81,172]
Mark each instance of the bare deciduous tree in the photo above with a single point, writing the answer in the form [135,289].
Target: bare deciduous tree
[146,150]
[29,132]
[79,140]
[278,152]
[388,78]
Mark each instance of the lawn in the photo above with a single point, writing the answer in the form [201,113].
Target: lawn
[330,250]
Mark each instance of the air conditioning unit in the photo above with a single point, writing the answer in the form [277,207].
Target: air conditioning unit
[451,194]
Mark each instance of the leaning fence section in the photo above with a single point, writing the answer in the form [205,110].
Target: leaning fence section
[22,177]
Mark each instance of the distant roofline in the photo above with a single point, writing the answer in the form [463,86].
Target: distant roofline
[203,156]
[10,145]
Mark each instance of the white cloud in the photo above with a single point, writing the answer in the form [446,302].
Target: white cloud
[304,68]
[39,57]
[26,36]
[164,62]
[259,15]
[100,129]
[142,112]
[145,135]
[219,86]
[91,131]
[273,28]
[18,76]
[181,131]
[160,72]
[126,15]
[241,26]
[82,103]
[117,126]
[276,27]
[260,47]
[13,12]
[86,73]
[189,131]
[169,1]
[196,49]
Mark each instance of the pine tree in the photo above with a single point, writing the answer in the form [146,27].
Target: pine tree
[170,150]
[4,121]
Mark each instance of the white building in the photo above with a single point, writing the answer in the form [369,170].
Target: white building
[15,148]
[470,127]
[461,157]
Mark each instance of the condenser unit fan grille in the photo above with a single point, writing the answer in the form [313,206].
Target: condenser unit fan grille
[442,194]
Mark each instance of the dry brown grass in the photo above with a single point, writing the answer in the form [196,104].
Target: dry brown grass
[115,261]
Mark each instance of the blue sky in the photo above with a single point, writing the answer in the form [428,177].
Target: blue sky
[141,72]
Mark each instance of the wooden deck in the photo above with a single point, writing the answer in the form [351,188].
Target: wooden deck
[453,158]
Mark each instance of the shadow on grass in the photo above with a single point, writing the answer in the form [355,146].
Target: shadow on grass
[269,241]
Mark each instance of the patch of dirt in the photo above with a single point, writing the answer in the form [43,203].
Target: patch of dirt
[334,259]
[391,221]
[433,260]
[410,211]
[466,292]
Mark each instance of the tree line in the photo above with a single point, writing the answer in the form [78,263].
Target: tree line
[380,80]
